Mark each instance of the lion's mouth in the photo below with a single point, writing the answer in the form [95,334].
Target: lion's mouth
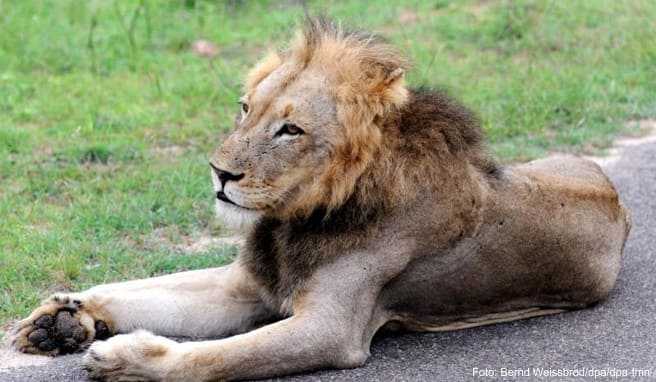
[224,198]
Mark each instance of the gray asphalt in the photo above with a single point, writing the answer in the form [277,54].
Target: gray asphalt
[614,337]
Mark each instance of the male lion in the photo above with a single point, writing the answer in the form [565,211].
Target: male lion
[364,204]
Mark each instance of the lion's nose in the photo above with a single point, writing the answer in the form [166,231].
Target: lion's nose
[225,176]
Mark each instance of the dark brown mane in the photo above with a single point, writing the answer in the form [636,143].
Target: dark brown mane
[431,118]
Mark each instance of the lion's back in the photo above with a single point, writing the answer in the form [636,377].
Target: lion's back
[568,167]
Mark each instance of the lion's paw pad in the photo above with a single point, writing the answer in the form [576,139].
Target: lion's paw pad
[55,331]
[62,332]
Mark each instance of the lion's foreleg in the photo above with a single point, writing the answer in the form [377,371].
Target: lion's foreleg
[332,326]
[206,303]
[295,344]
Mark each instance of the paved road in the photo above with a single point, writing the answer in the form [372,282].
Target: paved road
[619,333]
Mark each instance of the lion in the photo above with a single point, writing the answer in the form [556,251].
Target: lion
[364,204]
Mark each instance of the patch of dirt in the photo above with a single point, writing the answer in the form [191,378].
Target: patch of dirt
[480,8]
[646,133]
[168,151]
[206,242]
[172,239]
[407,16]
[410,16]
[10,186]
[59,282]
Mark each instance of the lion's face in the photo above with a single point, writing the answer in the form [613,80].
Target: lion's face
[281,144]
[307,126]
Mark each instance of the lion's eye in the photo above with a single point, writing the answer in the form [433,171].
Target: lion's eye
[289,129]
[244,107]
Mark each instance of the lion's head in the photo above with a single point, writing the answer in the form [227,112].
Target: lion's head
[308,124]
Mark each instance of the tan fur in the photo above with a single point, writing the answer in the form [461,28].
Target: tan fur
[364,204]
[262,69]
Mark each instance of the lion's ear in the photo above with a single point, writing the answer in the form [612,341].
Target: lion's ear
[389,88]
[395,75]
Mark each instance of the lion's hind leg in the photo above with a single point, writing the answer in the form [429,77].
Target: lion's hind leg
[485,319]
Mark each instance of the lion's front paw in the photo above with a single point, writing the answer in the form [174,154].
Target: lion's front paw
[61,325]
[139,356]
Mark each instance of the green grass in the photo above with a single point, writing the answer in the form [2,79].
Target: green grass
[107,118]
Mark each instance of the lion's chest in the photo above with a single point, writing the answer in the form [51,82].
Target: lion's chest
[282,257]
[280,262]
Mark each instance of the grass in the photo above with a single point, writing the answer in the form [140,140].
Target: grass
[107,117]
